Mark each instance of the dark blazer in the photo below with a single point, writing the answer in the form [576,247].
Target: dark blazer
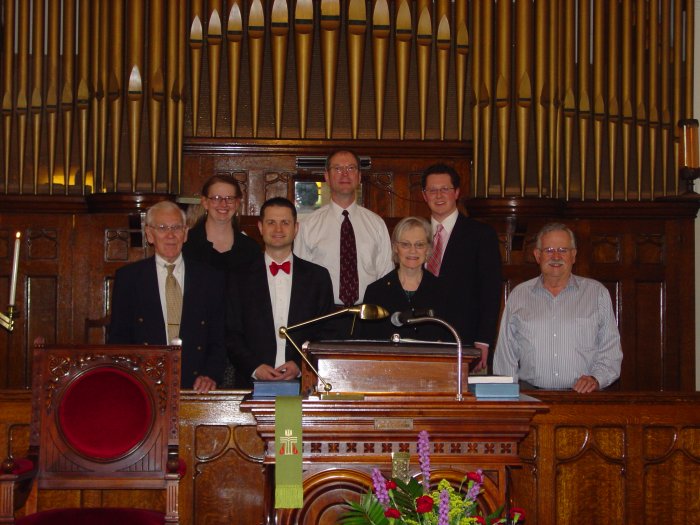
[389,293]
[470,277]
[245,251]
[137,315]
[250,324]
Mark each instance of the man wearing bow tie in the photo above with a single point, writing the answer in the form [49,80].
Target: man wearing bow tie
[280,290]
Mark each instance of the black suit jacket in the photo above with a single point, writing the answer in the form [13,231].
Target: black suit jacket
[250,324]
[137,315]
[470,277]
[389,293]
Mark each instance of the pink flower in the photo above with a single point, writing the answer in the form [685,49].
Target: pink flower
[476,477]
[392,513]
[424,504]
[390,485]
[517,514]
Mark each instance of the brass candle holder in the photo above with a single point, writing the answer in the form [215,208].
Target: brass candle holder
[688,159]
[7,321]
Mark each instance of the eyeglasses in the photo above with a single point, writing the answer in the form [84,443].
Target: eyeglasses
[228,199]
[552,251]
[435,191]
[164,228]
[350,170]
[405,245]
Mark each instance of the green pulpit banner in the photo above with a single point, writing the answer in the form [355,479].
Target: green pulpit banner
[289,491]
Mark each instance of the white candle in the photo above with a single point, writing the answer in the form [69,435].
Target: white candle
[15,268]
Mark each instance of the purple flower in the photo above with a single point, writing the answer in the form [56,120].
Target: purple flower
[443,518]
[380,487]
[475,486]
[424,457]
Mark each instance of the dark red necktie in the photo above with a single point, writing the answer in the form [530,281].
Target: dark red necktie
[274,267]
[349,282]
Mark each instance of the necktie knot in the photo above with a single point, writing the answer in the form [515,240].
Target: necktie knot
[275,268]
[170,268]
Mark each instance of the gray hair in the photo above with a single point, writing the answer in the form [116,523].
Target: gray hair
[555,227]
[406,224]
[164,206]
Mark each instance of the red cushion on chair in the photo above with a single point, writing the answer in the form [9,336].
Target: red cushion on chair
[22,465]
[105,413]
[94,517]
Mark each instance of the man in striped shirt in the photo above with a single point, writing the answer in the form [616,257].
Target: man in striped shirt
[558,330]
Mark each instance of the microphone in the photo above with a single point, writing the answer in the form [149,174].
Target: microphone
[401,318]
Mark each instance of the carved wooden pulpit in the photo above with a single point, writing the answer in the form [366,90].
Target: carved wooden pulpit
[345,437]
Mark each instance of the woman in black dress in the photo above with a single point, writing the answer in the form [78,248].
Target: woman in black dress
[216,237]
[408,287]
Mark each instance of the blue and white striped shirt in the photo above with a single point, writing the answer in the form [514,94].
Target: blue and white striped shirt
[550,341]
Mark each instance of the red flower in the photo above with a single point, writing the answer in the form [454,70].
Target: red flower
[390,485]
[475,477]
[392,513]
[424,504]
[519,511]
[480,520]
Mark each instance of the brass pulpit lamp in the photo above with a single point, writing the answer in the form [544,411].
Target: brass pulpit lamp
[364,311]
[688,159]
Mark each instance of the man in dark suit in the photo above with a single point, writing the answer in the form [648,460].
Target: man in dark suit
[467,260]
[280,290]
[140,303]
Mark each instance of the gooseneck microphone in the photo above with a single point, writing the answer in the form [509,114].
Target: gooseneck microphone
[401,318]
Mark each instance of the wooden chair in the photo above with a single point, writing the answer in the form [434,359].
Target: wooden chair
[103,417]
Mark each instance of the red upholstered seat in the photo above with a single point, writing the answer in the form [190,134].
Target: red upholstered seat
[104,418]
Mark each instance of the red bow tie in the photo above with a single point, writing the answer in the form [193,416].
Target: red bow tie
[274,267]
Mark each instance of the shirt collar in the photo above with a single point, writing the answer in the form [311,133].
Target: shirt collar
[164,264]
[448,222]
[572,283]
[269,260]
[338,211]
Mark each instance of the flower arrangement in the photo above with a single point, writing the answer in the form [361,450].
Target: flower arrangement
[395,502]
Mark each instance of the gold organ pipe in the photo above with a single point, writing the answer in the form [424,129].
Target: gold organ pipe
[443,44]
[640,79]
[523,85]
[94,75]
[689,55]
[174,40]
[666,122]
[569,96]
[584,96]
[461,55]
[357,26]
[627,111]
[424,40]
[214,40]
[156,88]
[85,89]
[196,41]
[487,91]
[37,97]
[22,87]
[653,91]
[256,47]
[554,110]
[68,89]
[135,65]
[303,49]
[404,37]
[330,33]
[102,71]
[503,82]
[541,95]
[8,77]
[476,89]
[116,84]
[677,65]
[53,46]
[380,51]
[234,39]
[598,89]
[613,60]
[279,27]
[180,90]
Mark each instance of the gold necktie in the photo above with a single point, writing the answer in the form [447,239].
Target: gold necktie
[173,300]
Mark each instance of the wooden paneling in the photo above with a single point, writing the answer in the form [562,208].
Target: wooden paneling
[602,458]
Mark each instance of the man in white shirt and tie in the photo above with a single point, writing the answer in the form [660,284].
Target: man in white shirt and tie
[278,290]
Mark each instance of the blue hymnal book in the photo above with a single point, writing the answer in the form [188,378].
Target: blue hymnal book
[272,389]
[483,390]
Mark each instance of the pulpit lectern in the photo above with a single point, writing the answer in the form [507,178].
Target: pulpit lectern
[402,389]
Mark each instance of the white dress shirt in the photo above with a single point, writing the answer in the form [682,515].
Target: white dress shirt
[318,241]
[448,224]
[162,272]
[280,287]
